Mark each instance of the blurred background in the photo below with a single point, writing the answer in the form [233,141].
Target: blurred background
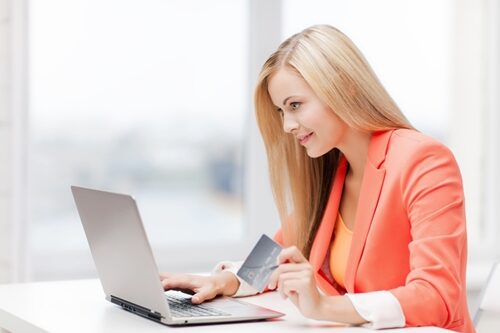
[153,98]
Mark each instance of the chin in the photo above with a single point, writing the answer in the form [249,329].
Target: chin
[314,154]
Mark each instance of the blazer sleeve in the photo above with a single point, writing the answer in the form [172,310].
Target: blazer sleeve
[432,193]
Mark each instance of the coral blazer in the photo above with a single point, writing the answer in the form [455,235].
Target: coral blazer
[409,234]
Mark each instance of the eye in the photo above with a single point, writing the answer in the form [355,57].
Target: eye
[295,105]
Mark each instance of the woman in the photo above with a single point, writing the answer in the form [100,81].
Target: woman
[372,211]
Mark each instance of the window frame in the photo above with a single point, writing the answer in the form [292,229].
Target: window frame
[17,92]
[485,250]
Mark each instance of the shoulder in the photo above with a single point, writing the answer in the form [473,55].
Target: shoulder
[408,145]
[412,139]
[413,156]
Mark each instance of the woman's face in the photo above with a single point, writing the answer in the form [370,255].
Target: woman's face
[311,122]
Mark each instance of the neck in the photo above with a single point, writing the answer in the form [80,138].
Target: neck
[355,149]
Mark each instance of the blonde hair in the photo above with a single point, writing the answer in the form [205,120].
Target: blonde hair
[341,77]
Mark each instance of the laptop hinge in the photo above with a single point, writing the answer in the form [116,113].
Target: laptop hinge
[137,309]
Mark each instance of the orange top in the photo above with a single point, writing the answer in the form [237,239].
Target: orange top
[339,251]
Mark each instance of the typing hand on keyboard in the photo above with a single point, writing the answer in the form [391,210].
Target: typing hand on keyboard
[202,288]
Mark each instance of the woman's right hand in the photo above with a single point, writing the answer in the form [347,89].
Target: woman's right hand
[203,288]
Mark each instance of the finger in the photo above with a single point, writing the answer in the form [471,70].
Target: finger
[290,276]
[294,297]
[203,294]
[291,254]
[292,288]
[179,283]
[292,267]
[284,268]
[184,290]
[273,279]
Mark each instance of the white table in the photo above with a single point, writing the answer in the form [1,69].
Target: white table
[79,306]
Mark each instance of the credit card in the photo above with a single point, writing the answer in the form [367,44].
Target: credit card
[260,263]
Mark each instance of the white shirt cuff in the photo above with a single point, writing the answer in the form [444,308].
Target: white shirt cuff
[380,308]
[229,266]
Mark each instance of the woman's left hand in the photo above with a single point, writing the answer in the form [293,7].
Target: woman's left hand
[294,278]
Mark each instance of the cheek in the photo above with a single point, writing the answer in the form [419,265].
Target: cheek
[337,132]
[333,127]
[329,137]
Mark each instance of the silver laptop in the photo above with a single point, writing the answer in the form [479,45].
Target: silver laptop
[128,271]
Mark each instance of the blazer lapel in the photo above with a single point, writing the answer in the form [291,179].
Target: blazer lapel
[371,185]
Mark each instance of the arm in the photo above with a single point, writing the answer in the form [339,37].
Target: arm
[339,309]
[294,279]
[432,191]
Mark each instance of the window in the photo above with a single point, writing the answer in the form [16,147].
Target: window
[110,82]
[140,97]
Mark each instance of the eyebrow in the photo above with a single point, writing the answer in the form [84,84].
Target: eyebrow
[286,99]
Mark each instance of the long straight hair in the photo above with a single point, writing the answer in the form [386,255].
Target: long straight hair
[340,76]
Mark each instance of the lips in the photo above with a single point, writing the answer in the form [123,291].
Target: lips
[304,138]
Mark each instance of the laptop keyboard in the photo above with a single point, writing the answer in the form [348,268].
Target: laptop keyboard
[182,307]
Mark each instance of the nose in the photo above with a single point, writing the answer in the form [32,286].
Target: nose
[289,123]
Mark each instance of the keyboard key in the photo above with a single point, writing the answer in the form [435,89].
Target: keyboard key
[182,307]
